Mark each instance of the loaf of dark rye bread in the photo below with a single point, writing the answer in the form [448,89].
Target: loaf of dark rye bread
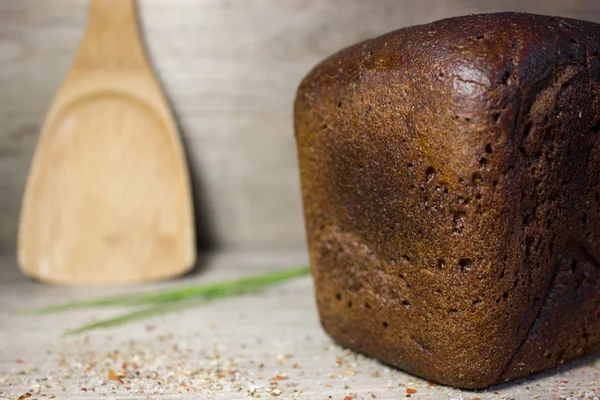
[450,175]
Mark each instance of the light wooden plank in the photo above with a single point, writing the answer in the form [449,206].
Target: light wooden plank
[231,68]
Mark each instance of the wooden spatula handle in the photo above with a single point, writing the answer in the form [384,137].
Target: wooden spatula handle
[112,36]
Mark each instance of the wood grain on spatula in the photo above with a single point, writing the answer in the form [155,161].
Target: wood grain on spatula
[108,197]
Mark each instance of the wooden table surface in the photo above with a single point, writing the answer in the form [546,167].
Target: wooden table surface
[259,346]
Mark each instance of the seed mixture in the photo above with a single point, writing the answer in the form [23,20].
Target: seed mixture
[172,366]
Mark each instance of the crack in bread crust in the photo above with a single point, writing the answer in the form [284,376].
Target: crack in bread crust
[564,293]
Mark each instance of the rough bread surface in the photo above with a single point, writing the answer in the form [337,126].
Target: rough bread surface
[450,175]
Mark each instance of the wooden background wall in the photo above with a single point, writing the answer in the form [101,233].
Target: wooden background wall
[230,68]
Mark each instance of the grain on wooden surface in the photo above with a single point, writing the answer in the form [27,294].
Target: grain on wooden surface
[268,345]
[231,68]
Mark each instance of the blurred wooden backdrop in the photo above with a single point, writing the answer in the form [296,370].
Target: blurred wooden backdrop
[230,68]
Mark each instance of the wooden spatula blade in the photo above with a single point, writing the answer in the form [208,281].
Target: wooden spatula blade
[108,197]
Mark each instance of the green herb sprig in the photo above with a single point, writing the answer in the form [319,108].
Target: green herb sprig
[171,300]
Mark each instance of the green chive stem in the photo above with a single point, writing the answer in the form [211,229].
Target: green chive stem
[173,299]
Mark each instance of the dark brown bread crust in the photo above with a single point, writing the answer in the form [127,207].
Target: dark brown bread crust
[450,176]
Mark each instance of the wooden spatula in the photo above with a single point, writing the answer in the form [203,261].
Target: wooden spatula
[108,197]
